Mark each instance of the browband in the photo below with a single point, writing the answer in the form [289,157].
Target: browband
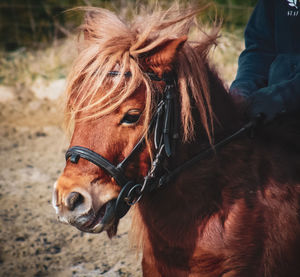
[128,74]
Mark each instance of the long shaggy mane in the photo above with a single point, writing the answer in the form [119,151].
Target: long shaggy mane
[110,43]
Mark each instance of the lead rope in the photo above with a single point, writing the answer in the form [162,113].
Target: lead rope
[170,175]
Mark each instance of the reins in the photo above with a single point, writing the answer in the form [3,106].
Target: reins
[164,126]
[212,149]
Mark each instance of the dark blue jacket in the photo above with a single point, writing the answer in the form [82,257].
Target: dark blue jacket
[270,64]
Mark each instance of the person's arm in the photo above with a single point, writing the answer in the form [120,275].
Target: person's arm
[275,99]
[255,60]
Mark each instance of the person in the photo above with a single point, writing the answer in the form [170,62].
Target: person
[268,76]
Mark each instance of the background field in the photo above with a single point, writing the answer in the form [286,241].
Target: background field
[36,51]
[32,23]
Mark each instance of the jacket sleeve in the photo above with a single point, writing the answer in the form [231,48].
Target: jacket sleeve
[254,62]
[281,97]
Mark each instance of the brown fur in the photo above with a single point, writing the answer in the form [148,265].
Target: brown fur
[235,213]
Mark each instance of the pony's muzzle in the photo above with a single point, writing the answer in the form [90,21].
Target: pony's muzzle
[76,208]
[73,207]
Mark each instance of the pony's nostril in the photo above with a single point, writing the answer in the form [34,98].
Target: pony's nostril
[74,199]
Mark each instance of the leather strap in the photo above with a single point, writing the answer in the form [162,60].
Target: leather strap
[77,152]
[166,134]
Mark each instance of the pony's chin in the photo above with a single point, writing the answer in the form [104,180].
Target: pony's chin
[103,220]
[111,229]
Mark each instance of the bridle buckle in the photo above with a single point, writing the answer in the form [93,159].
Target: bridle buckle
[134,195]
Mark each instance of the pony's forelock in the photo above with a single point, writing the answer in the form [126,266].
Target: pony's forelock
[109,43]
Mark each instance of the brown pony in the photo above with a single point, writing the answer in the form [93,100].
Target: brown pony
[233,213]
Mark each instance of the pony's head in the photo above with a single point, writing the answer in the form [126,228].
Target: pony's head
[111,112]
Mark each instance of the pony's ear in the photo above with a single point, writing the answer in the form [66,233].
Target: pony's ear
[85,28]
[161,58]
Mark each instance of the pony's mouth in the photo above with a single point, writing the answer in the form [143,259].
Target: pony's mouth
[102,220]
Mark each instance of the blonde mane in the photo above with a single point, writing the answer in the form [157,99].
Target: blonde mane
[110,43]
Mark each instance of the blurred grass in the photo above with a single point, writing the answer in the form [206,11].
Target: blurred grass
[22,67]
[35,23]
[225,55]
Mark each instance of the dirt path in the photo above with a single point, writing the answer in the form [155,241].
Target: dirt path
[32,242]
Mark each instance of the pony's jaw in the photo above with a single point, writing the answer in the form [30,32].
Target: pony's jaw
[93,214]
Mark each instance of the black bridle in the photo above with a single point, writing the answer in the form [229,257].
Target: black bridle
[164,126]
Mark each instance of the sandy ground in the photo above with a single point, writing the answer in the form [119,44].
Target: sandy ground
[32,241]
[32,147]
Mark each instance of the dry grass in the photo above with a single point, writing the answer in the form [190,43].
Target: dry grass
[21,68]
[225,56]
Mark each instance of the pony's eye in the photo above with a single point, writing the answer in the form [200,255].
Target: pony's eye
[131,117]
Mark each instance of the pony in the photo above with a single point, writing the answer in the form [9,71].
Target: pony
[143,101]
